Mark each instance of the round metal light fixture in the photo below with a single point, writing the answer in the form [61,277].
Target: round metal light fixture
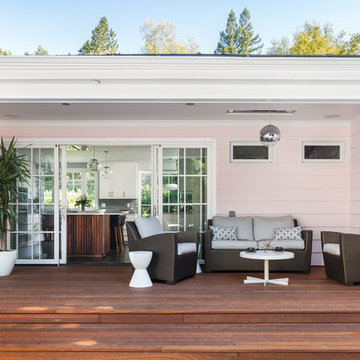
[106,170]
[93,164]
[269,135]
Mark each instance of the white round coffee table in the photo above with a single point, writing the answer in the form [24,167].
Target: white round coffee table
[266,255]
[140,260]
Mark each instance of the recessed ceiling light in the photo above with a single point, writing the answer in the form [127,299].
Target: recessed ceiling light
[332,116]
[65,104]
[12,116]
[260,112]
[189,104]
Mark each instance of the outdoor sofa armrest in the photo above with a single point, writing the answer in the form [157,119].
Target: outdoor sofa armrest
[307,236]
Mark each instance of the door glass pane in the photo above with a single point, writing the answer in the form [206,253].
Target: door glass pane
[170,218]
[170,189]
[47,161]
[193,218]
[35,161]
[170,161]
[193,193]
[193,162]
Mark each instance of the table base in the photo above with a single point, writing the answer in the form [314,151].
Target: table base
[266,280]
[254,280]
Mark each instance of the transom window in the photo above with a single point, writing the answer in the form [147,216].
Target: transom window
[323,152]
[245,152]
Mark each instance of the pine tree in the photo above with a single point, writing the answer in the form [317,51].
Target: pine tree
[228,38]
[103,40]
[247,42]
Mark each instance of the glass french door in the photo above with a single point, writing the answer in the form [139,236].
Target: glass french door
[39,235]
[181,180]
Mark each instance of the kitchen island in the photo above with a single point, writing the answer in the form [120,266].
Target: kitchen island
[88,234]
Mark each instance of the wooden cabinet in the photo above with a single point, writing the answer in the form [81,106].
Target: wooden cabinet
[123,182]
[88,235]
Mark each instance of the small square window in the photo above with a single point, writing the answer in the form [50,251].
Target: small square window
[245,152]
[323,152]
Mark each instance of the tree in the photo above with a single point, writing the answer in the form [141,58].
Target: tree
[313,39]
[103,40]
[5,52]
[239,38]
[228,38]
[41,51]
[247,42]
[161,38]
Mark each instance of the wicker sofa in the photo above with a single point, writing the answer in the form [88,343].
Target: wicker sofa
[251,232]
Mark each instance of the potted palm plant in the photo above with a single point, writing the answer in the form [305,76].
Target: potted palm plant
[13,169]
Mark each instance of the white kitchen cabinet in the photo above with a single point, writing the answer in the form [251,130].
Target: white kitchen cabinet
[123,182]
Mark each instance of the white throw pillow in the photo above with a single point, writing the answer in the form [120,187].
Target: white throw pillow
[221,233]
[148,226]
[293,233]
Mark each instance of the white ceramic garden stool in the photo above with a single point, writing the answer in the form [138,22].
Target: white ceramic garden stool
[140,261]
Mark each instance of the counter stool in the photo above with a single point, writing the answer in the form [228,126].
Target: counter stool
[119,233]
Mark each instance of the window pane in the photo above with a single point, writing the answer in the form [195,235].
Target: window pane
[193,218]
[193,162]
[170,189]
[193,189]
[250,152]
[322,152]
[47,161]
[170,218]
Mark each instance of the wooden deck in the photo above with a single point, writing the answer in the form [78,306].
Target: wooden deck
[89,312]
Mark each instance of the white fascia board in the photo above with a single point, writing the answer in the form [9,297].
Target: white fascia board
[170,78]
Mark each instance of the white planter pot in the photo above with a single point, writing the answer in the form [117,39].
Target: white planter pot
[7,262]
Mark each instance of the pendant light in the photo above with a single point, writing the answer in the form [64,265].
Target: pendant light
[269,134]
[93,164]
[106,170]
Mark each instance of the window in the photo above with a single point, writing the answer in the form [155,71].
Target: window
[80,181]
[145,193]
[323,152]
[247,152]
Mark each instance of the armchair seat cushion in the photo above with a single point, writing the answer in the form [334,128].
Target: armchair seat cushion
[186,248]
[148,226]
[285,244]
[233,244]
[332,248]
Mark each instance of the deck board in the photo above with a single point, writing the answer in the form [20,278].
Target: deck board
[49,311]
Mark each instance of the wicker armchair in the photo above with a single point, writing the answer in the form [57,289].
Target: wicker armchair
[341,256]
[166,264]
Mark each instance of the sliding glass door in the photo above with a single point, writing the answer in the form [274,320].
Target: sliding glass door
[181,178]
[40,229]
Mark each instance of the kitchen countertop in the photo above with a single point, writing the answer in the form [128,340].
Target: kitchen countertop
[97,213]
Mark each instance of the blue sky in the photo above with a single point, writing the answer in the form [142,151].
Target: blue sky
[63,26]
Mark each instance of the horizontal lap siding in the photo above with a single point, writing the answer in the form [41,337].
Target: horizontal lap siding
[355,178]
[317,195]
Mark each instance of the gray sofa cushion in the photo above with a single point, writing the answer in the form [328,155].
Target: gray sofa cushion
[233,244]
[148,226]
[244,225]
[264,227]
